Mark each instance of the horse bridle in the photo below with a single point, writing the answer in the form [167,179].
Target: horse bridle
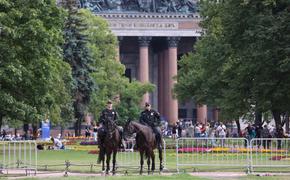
[136,130]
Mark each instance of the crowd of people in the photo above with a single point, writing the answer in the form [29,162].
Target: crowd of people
[151,118]
[221,130]
[8,136]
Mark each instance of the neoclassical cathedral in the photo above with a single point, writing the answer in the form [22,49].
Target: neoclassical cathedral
[153,35]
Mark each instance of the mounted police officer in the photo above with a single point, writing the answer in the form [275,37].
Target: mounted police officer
[151,118]
[107,114]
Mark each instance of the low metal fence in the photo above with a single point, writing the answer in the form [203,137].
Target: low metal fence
[256,154]
[270,153]
[18,155]
[128,160]
[130,157]
[212,152]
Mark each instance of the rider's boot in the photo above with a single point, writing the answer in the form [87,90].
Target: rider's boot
[158,141]
[122,144]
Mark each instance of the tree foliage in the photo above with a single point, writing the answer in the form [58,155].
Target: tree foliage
[79,56]
[33,76]
[242,62]
[109,73]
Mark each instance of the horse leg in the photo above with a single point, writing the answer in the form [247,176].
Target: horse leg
[153,162]
[141,162]
[108,162]
[103,161]
[103,166]
[160,158]
[114,161]
[148,164]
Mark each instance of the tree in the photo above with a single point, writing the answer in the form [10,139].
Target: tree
[31,62]
[109,73]
[78,55]
[242,61]
[131,96]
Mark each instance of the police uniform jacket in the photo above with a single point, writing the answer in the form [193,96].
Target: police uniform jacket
[151,118]
[108,114]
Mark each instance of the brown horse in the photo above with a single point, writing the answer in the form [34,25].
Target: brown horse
[146,143]
[111,144]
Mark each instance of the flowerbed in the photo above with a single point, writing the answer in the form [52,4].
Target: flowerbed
[70,142]
[279,158]
[82,148]
[88,143]
[231,150]
[93,152]
[76,138]
[187,150]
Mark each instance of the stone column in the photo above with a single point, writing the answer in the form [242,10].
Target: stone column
[201,113]
[119,40]
[161,83]
[165,97]
[216,114]
[172,104]
[144,63]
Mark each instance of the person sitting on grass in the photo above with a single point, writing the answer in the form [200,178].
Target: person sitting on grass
[57,144]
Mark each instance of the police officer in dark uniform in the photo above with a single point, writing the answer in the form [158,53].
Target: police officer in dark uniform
[151,118]
[108,113]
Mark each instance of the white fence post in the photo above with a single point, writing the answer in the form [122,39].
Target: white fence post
[18,155]
[219,152]
[130,158]
[270,153]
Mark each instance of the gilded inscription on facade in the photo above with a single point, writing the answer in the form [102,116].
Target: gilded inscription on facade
[142,25]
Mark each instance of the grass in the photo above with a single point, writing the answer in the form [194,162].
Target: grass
[81,161]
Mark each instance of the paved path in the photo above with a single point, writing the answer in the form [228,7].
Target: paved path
[19,174]
[218,174]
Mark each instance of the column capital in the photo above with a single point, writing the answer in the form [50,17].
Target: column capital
[173,41]
[144,41]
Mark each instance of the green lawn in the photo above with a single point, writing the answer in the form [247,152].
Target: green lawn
[81,161]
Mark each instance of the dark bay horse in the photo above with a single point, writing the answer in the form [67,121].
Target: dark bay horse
[111,144]
[146,143]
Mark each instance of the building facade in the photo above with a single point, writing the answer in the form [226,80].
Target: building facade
[153,35]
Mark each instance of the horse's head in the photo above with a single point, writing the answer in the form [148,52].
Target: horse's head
[129,128]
